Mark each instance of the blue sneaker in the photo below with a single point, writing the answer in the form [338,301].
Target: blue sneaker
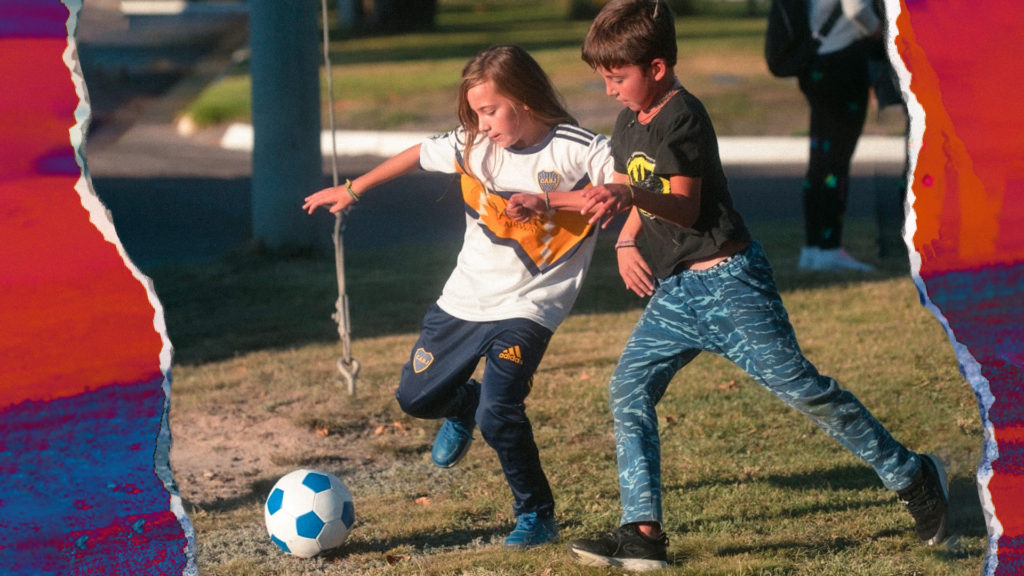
[531,530]
[451,444]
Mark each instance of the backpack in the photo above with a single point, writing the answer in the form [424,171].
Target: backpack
[789,46]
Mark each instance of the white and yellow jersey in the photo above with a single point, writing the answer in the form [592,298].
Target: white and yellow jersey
[509,269]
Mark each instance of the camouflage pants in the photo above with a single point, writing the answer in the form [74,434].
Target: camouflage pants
[734,310]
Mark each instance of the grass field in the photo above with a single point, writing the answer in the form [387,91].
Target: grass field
[750,487]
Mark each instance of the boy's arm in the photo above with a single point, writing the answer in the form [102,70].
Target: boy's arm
[681,207]
[340,198]
[633,269]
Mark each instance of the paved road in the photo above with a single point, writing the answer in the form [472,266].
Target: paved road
[180,199]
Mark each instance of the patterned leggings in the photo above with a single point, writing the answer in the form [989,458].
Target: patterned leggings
[734,310]
[836,90]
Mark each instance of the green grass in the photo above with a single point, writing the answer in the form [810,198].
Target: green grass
[408,82]
[750,486]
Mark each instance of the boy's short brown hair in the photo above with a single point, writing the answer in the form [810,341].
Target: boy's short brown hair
[631,32]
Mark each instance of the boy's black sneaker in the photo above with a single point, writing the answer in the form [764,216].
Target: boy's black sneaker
[927,499]
[625,547]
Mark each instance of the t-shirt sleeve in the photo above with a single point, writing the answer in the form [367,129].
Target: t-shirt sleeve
[620,153]
[683,150]
[601,166]
[439,153]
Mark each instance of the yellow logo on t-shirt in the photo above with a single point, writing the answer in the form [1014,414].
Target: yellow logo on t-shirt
[640,169]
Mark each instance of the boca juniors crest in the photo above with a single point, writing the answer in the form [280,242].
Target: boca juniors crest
[548,180]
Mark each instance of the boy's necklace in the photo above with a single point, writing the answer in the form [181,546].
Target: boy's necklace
[644,116]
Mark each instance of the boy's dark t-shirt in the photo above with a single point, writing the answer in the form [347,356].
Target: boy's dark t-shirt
[678,140]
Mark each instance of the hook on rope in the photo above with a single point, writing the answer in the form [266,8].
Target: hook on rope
[349,371]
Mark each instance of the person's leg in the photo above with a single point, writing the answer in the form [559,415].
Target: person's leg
[435,382]
[648,362]
[664,340]
[514,349]
[837,93]
[753,331]
[890,208]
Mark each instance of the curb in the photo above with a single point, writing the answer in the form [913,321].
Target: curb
[733,149]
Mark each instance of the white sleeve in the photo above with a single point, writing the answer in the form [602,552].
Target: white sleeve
[438,153]
[600,165]
[862,14]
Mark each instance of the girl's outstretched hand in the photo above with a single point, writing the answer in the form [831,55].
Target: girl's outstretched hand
[336,196]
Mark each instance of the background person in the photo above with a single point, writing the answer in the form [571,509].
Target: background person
[836,88]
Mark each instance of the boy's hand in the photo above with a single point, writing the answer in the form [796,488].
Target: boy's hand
[606,201]
[635,272]
[337,196]
[524,207]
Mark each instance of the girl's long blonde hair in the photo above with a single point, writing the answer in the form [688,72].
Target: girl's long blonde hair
[518,77]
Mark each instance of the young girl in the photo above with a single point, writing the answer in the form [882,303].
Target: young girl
[514,282]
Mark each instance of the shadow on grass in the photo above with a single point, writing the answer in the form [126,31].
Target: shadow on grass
[221,298]
[965,511]
[426,541]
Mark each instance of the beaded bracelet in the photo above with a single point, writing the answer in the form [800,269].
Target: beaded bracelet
[626,244]
[351,192]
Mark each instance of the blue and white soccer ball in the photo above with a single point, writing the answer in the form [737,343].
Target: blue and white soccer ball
[309,512]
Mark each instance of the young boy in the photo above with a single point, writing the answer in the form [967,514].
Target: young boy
[711,288]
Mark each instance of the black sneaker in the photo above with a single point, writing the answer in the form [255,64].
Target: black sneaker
[927,499]
[625,547]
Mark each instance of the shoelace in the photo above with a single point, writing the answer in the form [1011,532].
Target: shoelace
[921,499]
[525,522]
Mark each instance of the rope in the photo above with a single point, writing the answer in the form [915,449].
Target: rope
[347,366]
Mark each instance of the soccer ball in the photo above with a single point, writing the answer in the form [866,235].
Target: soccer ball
[308,512]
